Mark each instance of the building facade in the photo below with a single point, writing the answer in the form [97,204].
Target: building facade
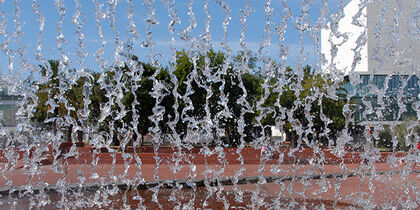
[376,45]
[9,105]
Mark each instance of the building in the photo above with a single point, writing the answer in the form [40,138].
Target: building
[376,45]
[9,105]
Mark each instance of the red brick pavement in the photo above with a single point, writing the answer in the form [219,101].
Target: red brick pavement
[359,190]
[390,189]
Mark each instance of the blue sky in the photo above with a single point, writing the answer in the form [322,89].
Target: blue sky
[254,35]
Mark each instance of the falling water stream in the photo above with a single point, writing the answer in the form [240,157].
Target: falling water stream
[309,104]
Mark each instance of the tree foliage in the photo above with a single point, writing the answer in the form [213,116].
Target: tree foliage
[240,104]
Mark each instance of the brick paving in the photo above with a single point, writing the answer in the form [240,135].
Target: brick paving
[391,189]
[148,172]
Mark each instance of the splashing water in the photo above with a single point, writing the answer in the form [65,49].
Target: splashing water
[209,104]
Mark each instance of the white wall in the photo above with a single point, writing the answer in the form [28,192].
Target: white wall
[277,135]
[389,31]
[394,44]
[346,56]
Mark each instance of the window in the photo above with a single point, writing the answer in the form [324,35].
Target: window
[7,106]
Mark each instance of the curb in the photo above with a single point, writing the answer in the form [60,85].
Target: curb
[170,184]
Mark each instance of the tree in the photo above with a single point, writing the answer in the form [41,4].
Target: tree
[127,92]
[58,99]
[138,98]
[307,112]
[215,77]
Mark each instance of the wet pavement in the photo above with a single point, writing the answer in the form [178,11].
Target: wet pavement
[169,199]
[332,184]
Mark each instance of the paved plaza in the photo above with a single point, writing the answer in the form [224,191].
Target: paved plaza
[353,184]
